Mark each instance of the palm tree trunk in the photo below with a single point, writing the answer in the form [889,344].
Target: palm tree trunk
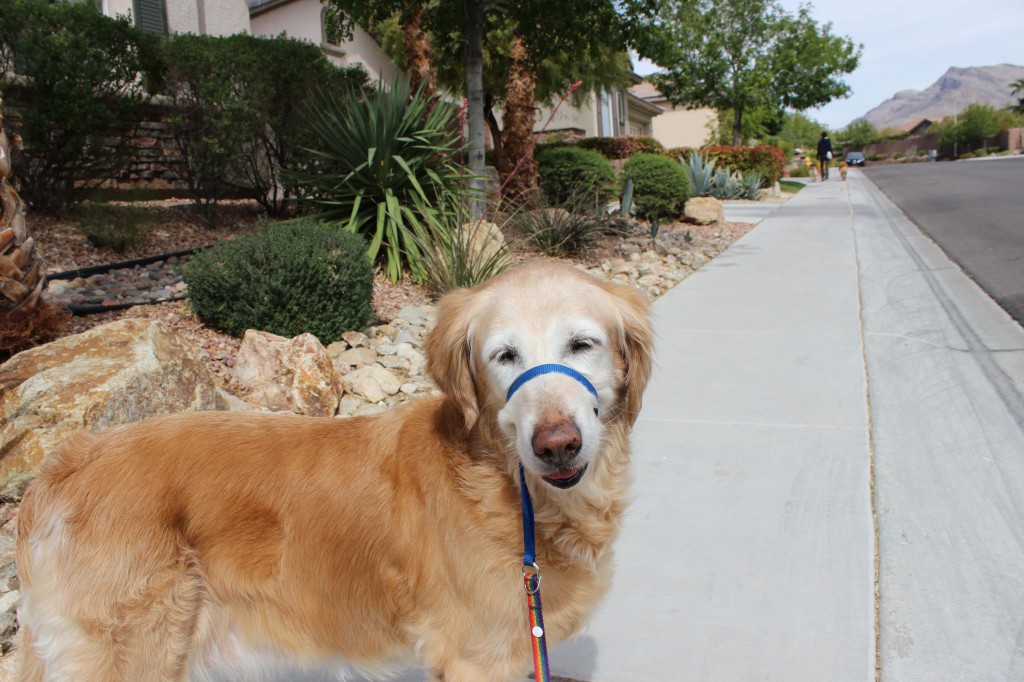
[24,319]
[518,168]
[418,57]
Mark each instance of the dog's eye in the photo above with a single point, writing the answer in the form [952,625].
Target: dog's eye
[505,356]
[581,345]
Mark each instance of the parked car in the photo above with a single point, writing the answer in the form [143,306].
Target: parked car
[855,158]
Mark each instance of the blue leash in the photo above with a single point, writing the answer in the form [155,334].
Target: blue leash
[531,571]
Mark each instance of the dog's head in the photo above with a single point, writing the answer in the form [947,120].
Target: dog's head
[537,314]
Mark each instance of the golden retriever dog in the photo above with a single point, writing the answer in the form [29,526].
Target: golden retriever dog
[213,545]
[843,167]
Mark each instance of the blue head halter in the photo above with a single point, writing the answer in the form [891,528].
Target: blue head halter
[535,372]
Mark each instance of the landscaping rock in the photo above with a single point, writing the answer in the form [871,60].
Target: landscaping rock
[294,375]
[704,211]
[116,373]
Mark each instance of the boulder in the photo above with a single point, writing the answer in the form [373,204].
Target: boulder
[483,241]
[119,372]
[372,383]
[704,211]
[294,375]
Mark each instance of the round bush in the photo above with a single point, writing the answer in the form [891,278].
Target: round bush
[569,172]
[660,186]
[287,279]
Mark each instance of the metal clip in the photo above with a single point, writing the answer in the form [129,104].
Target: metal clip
[531,578]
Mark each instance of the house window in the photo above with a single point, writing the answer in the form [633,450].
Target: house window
[150,17]
[331,30]
[635,130]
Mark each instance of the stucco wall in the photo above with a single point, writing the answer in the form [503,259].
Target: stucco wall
[678,127]
[205,17]
[301,19]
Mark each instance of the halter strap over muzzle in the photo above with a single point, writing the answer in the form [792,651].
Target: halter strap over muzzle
[535,372]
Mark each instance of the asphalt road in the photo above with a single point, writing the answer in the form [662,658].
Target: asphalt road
[974,210]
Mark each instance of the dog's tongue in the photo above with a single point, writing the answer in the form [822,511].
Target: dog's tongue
[563,474]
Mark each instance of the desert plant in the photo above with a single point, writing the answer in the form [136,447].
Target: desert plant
[290,278]
[701,169]
[727,185]
[752,183]
[78,81]
[799,171]
[660,186]
[567,173]
[113,227]
[563,229]
[464,255]
[385,166]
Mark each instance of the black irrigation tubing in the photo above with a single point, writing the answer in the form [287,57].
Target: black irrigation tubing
[96,269]
[93,309]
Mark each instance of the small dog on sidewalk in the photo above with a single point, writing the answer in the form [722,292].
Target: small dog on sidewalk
[843,166]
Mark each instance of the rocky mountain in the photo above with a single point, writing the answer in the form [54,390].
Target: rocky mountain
[952,92]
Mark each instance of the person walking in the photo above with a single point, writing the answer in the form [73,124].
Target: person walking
[824,154]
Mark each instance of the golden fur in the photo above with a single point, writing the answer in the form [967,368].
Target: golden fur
[184,544]
[843,167]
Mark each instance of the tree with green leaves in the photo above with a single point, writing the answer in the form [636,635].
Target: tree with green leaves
[1017,88]
[860,134]
[529,35]
[745,55]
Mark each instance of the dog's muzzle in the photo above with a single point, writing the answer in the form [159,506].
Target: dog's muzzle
[557,445]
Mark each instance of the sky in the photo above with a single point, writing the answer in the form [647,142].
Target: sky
[909,44]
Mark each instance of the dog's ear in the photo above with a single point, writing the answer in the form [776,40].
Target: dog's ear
[636,343]
[449,353]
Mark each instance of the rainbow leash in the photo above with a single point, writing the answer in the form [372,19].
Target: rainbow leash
[531,581]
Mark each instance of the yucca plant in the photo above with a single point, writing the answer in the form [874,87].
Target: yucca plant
[701,169]
[386,167]
[562,230]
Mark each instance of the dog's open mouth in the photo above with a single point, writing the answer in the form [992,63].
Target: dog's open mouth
[566,478]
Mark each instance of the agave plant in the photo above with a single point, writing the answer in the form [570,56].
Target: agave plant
[386,167]
[701,168]
[726,185]
[752,185]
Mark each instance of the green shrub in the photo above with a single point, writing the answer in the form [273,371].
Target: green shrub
[113,227]
[287,279]
[766,160]
[660,186]
[569,172]
[75,83]
[385,166]
[240,108]
[622,146]
[799,171]
[677,153]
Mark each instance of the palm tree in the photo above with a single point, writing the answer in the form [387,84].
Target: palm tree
[1017,88]
[24,318]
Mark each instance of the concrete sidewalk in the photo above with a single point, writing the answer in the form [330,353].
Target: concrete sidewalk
[749,552]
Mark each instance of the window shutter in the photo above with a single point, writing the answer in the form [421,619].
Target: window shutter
[149,16]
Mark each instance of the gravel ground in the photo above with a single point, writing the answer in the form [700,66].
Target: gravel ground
[64,247]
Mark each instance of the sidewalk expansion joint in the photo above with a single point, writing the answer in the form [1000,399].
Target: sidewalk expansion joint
[955,349]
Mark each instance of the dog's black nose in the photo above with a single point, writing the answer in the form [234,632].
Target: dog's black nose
[558,443]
